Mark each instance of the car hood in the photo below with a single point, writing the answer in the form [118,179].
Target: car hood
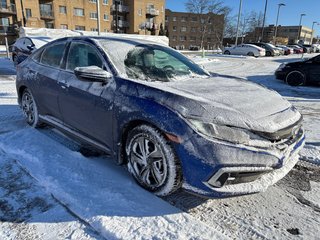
[228,101]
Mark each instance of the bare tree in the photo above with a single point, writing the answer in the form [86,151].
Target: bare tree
[203,8]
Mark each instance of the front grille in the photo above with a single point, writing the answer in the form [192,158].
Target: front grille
[285,133]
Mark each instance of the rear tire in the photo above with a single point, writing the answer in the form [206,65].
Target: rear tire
[296,78]
[30,109]
[251,54]
[152,161]
[268,53]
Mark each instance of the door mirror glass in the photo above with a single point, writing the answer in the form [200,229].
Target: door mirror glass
[92,74]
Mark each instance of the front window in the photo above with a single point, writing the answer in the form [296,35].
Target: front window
[83,55]
[150,62]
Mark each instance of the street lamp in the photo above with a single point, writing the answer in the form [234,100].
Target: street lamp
[264,19]
[312,31]
[98,17]
[275,33]
[299,32]
[238,25]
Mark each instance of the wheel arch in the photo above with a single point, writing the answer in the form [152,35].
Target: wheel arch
[20,92]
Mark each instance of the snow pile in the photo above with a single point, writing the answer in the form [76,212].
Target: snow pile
[60,33]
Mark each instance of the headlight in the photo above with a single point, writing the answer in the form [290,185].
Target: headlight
[230,134]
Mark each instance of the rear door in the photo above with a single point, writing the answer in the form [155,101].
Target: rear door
[45,71]
[80,101]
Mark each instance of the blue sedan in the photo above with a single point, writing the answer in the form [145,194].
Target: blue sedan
[171,122]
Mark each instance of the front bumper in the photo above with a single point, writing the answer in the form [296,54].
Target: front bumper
[256,168]
[280,75]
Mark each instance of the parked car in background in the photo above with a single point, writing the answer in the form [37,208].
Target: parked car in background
[24,46]
[245,50]
[287,50]
[301,72]
[172,123]
[269,49]
[306,48]
[296,48]
[316,48]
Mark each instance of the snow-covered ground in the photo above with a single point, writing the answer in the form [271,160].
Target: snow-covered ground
[53,189]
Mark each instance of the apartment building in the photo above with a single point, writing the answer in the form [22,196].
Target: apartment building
[122,16]
[291,34]
[190,31]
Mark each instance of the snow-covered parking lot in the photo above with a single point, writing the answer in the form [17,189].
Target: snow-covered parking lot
[51,188]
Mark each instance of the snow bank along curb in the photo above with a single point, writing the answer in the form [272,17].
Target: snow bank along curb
[101,193]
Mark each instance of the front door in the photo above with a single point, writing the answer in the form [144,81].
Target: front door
[80,101]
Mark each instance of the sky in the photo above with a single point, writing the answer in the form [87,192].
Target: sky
[289,14]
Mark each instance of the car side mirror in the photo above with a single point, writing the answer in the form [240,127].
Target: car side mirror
[92,74]
[30,47]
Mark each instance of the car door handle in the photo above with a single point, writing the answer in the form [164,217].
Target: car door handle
[63,85]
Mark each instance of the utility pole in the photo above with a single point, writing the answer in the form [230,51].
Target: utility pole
[312,32]
[238,25]
[300,26]
[264,19]
[275,33]
[23,16]
[98,17]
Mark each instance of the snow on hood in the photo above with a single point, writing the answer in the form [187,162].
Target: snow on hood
[229,101]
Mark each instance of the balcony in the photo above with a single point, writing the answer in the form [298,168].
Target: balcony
[121,8]
[46,15]
[121,24]
[153,11]
[10,10]
[148,25]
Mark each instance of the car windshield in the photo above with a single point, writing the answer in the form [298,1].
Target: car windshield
[150,62]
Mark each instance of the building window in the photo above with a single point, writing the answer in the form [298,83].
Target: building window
[80,28]
[28,13]
[63,26]
[174,28]
[194,19]
[183,19]
[174,19]
[183,38]
[193,39]
[105,17]
[174,38]
[78,12]
[105,2]
[183,29]
[94,29]
[193,29]
[93,1]
[63,9]
[140,12]
[208,40]
[94,15]
[167,18]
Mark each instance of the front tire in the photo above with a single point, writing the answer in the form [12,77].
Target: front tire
[30,109]
[152,161]
[296,78]
[227,52]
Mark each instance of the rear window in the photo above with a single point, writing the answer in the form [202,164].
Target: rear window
[53,54]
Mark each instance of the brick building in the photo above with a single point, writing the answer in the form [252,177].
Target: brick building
[187,30]
[124,16]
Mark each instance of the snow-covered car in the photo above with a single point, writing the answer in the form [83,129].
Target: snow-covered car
[299,73]
[245,50]
[171,122]
[24,46]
